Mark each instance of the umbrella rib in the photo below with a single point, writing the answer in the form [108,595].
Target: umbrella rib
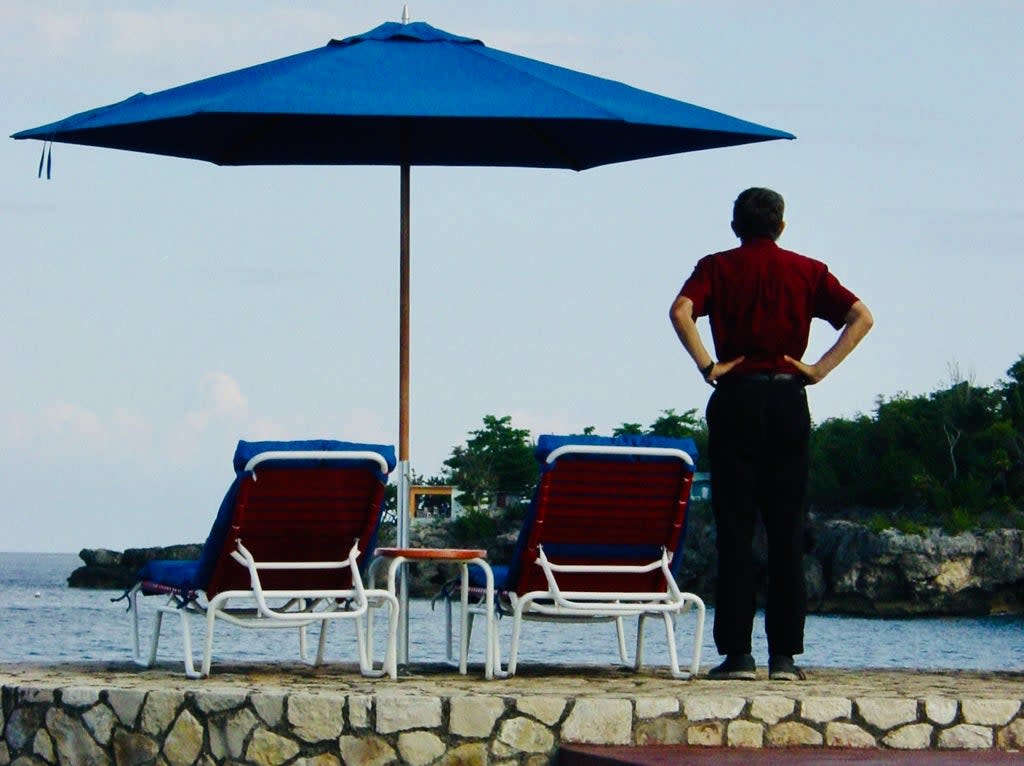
[557,148]
[507,65]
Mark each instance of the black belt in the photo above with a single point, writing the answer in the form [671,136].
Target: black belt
[763,377]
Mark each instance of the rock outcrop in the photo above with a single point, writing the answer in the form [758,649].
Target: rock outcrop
[107,569]
[851,569]
[891,573]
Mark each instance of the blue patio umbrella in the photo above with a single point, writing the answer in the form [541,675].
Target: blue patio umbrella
[405,94]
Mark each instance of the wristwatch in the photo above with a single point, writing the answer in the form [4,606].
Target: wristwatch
[705,371]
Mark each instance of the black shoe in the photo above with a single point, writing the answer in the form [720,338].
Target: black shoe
[782,668]
[735,667]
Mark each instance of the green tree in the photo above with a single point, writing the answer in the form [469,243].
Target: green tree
[682,426]
[844,469]
[675,426]
[957,453]
[1011,409]
[496,463]
[628,429]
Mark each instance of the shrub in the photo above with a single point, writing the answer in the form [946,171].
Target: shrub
[911,527]
[958,520]
[475,528]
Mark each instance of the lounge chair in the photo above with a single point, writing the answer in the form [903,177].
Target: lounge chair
[285,550]
[603,540]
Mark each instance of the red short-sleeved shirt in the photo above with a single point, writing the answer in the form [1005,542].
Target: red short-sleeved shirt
[761,299]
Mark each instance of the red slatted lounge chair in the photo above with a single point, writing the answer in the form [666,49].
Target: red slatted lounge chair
[603,540]
[285,551]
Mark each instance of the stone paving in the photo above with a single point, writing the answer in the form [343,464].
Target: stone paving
[295,714]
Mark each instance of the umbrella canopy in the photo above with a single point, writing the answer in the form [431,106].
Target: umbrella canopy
[405,94]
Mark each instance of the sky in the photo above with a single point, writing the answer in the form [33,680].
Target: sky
[157,310]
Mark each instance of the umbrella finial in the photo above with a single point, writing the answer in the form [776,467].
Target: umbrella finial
[405,13]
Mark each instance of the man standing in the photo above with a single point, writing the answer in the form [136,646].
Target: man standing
[760,300]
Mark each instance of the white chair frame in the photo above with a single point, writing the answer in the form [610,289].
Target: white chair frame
[299,610]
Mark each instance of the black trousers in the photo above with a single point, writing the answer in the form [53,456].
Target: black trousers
[759,431]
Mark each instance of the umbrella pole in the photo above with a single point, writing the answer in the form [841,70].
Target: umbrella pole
[403,322]
[404,515]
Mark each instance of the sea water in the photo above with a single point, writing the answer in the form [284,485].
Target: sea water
[43,620]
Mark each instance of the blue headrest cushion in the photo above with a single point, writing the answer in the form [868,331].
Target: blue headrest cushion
[548,443]
[246,451]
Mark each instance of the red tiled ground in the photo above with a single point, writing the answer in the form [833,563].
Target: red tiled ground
[679,755]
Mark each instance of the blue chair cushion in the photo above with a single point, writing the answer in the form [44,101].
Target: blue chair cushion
[245,451]
[548,443]
[500,571]
[179,575]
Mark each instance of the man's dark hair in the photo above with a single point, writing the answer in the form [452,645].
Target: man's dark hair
[757,213]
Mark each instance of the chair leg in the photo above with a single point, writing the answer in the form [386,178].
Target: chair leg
[154,640]
[364,647]
[670,639]
[372,605]
[137,658]
[389,666]
[464,614]
[638,662]
[449,635]
[517,625]
[365,635]
[211,621]
[302,633]
[391,657]
[186,642]
[321,644]
[495,642]
[468,629]
[620,635]
[698,638]
[133,604]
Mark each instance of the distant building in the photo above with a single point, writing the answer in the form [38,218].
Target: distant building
[701,487]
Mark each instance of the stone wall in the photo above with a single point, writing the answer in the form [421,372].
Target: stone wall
[91,725]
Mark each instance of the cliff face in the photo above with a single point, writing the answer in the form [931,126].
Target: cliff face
[852,570]
[890,573]
[849,568]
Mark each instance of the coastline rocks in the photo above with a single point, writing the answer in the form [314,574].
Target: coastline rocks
[105,569]
[849,568]
[890,573]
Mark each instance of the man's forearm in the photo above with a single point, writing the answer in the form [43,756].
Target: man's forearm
[856,325]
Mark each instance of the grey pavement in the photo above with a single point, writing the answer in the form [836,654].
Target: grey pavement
[559,680]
